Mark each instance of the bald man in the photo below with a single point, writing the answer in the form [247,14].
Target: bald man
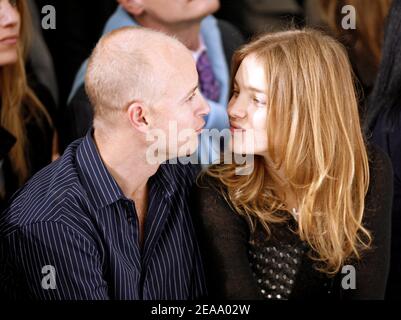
[109,219]
[211,42]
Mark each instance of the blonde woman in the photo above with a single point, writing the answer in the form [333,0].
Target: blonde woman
[311,220]
[25,127]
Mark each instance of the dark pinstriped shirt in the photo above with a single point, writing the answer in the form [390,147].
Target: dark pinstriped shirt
[70,233]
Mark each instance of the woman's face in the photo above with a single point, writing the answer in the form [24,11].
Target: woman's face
[247,109]
[9,31]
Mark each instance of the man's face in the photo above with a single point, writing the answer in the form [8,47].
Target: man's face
[180,112]
[179,11]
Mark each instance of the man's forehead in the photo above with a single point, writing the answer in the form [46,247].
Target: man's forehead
[174,59]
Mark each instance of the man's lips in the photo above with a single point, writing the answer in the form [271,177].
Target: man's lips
[200,128]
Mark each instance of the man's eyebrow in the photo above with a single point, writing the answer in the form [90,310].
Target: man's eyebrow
[191,92]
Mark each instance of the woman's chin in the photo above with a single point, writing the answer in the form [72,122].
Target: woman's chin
[242,148]
[8,58]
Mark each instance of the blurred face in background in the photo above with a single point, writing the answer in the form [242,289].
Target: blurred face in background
[9,31]
[172,12]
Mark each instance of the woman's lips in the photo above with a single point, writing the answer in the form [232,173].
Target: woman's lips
[9,40]
[234,128]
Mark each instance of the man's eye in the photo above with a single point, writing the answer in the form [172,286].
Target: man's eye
[13,2]
[192,96]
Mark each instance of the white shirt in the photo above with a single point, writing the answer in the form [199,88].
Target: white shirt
[202,48]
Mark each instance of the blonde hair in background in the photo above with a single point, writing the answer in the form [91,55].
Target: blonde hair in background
[314,136]
[15,92]
[368,37]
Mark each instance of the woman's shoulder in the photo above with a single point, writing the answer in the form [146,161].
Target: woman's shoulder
[207,182]
[379,163]
[209,191]
[213,204]
[379,197]
[386,133]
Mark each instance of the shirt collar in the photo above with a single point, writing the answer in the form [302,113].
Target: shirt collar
[99,184]
[166,178]
[202,48]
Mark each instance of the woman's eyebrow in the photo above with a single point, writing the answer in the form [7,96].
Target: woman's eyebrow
[250,88]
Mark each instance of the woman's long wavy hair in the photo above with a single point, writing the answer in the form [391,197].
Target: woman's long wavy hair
[315,138]
[15,93]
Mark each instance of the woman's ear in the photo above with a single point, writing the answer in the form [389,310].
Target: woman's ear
[136,114]
[133,7]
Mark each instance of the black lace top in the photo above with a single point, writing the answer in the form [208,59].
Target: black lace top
[279,263]
[240,264]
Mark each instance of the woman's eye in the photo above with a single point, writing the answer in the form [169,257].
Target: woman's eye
[235,93]
[13,2]
[259,102]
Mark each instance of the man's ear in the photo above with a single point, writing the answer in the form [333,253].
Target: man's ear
[133,7]
[136,114]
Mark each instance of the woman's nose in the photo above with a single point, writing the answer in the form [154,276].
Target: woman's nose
[8,14]
[237,110]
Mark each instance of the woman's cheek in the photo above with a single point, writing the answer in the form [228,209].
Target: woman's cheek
[260,130]
[259,119]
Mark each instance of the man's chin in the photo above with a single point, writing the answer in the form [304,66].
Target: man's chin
[186,154]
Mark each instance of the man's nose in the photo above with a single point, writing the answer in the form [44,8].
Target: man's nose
[204,108]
